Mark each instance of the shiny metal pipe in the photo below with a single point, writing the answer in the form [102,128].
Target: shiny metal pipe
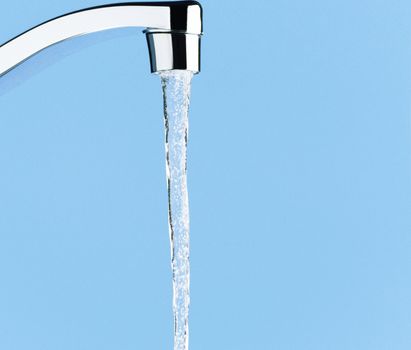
[173,31]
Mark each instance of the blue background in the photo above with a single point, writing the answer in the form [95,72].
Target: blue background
[299,178]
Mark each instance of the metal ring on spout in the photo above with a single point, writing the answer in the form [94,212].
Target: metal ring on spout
[174,51]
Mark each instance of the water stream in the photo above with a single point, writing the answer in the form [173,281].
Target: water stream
[176,92]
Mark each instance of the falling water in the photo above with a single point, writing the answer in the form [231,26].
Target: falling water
[176,91]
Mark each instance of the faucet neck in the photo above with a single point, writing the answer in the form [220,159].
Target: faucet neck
[173,32]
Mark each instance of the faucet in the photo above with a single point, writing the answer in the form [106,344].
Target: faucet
[173,30]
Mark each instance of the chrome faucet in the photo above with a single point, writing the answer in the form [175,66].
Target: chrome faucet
[173,30]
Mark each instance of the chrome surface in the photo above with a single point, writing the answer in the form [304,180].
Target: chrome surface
[173,31]
[185,49]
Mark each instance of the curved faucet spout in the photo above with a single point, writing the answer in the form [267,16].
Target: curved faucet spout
[173,31]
